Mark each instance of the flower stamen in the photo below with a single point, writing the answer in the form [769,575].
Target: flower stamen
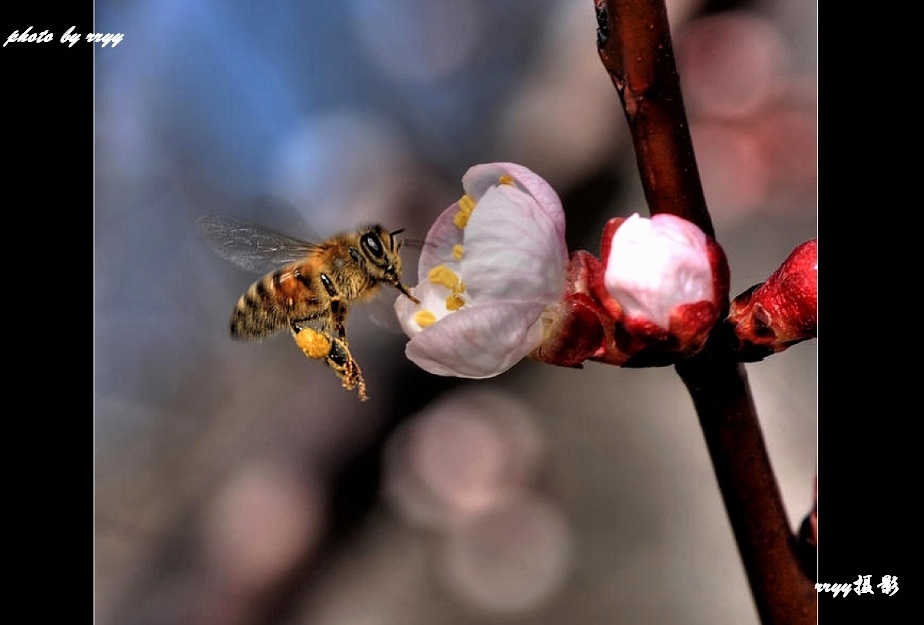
[514,259]
[424,318]
[454,302]
[444,276]
[466,206]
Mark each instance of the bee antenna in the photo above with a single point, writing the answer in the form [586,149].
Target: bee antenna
[398,231]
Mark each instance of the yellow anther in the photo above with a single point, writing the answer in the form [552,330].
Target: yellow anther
[424,318]
[457,251]
[506,179]
[466,206]
[444,276]
[460,220]
[454,302]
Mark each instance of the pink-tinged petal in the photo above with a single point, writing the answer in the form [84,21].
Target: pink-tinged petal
[478,342]
[665,285]
[441,238]
[655,265]
[510,250]
[479,178]
[491,264]
[432,298]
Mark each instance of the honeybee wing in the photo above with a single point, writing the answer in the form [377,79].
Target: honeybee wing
[249,245]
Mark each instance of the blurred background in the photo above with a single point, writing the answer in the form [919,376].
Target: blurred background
[238,484]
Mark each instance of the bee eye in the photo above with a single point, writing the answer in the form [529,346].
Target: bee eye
[372,244]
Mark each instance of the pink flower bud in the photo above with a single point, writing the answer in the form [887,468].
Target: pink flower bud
[781,311]
[665,284]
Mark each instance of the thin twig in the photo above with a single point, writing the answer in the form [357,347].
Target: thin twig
[783,594]
[636,50]
[639,57]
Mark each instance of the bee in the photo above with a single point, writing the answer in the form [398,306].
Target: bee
[307,288]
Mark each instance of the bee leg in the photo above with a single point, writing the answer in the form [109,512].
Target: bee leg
[335,352]
[313,343]
[339,312]
[341,361]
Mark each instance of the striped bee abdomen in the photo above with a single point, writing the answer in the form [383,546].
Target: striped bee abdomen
[271,303]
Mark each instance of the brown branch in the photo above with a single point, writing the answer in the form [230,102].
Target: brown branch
[638,55]
[782,592]
[637,52]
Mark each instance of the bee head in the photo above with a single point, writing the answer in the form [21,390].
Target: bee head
[381,248]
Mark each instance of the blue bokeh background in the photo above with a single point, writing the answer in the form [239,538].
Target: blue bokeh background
[237,483]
